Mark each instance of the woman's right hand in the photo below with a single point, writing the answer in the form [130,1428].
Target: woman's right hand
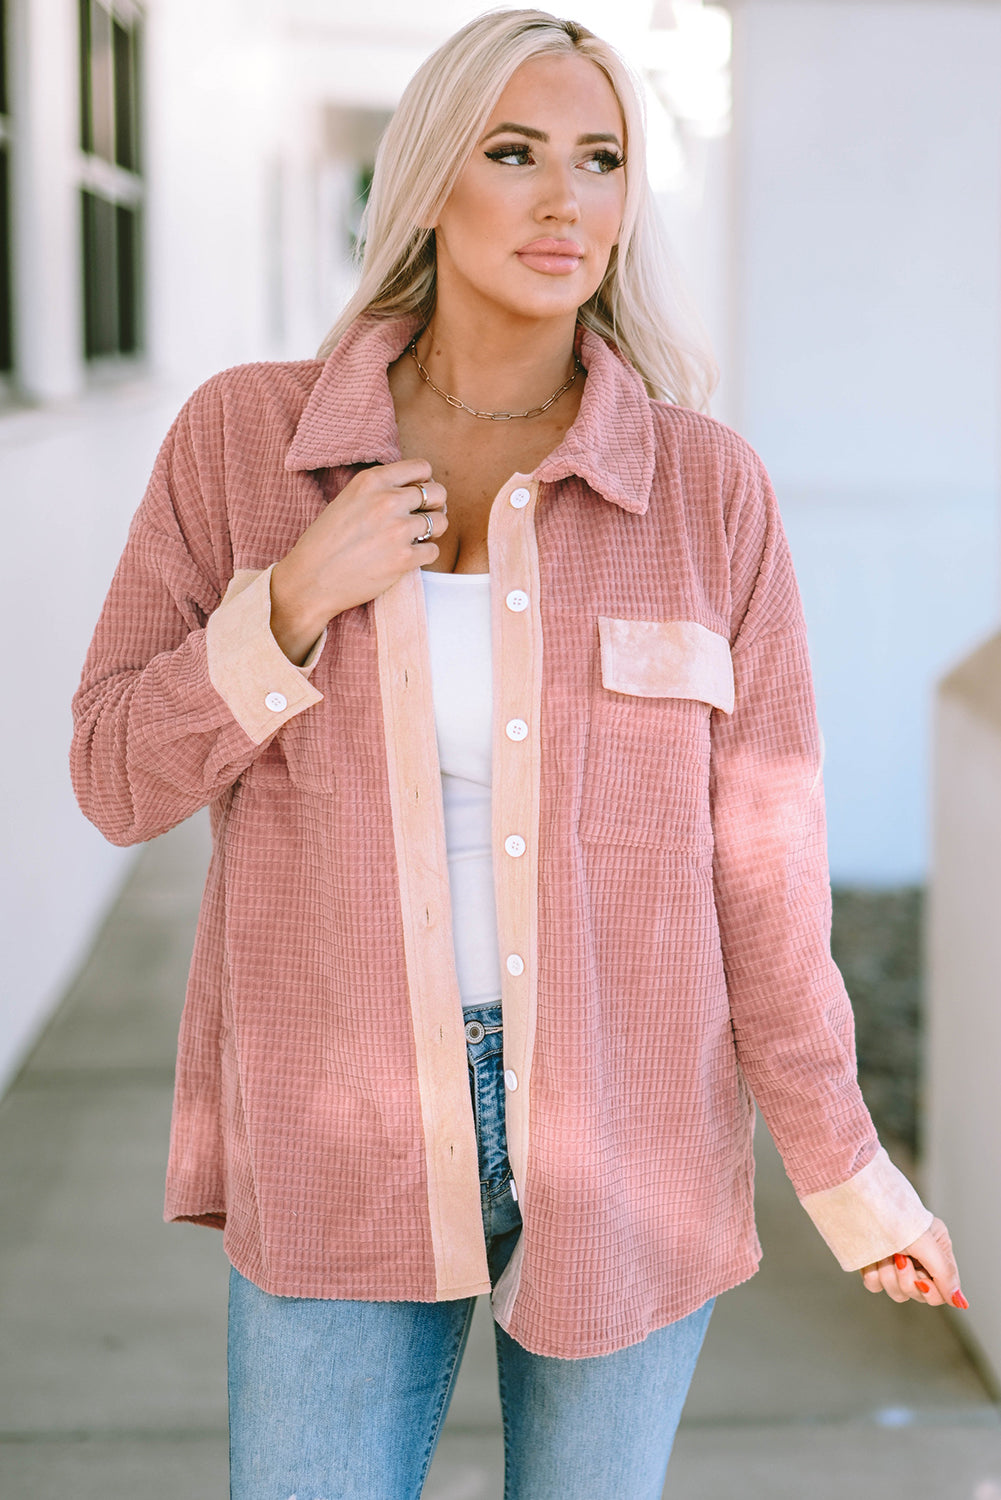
[356,549]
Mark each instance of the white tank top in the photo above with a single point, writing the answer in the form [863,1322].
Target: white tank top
[458,614]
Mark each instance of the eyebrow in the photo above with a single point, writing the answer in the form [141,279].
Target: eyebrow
[510,128]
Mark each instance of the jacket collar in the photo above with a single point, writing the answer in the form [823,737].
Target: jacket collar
[349,417]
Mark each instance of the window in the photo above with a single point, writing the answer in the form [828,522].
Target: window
[112,186]
[6,299]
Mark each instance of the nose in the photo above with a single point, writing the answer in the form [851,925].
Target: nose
[558,195]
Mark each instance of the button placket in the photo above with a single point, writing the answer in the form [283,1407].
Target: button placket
[449,1139]
[517,657]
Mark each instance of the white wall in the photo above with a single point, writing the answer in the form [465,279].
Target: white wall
[964,959]
[75,456]
[70,479]
[867,272]
[896,585]
[62,472]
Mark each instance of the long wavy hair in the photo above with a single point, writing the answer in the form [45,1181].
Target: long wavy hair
[640,306]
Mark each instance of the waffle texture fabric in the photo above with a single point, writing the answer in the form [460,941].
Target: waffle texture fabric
[663,904]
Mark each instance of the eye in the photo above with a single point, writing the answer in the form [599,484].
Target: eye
[604,161]
[520,156]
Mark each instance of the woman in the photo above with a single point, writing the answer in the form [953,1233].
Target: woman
[476,1008]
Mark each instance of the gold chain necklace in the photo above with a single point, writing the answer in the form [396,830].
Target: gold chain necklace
[491,416]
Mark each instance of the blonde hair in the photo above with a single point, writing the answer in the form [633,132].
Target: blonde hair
[640,307]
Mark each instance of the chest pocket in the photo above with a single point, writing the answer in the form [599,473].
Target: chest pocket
[646,778]
[666,659]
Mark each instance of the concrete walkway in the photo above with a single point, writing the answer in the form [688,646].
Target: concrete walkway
[112,1358]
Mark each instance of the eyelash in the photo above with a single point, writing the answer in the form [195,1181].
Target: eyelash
[610,160]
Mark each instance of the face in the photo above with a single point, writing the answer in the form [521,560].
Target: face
[532,220]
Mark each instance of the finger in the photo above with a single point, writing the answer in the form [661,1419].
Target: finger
[923,1283]
[870,1279]
[889,1281]
[421,556]
[403,471]
[913,1281]
[436,520]
[430,495]
[933,1251]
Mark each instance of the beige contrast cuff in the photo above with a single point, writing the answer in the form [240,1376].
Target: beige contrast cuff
[248,668]
[874,1214]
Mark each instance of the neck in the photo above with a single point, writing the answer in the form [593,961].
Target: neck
[494,366]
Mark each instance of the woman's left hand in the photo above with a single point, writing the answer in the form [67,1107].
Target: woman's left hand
[923,1272]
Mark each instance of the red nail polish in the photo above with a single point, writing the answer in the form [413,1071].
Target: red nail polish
[900,1261]
[958,1300]
[922,1286]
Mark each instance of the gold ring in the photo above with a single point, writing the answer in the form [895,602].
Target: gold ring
[424,494]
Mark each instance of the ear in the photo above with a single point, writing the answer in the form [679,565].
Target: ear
[429,218]
[432,214]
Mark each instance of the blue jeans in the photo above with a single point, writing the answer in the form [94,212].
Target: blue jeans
[344,1400]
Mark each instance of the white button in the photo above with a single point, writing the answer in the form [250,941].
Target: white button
[515,845]
[516,729]
[277,702]
[510,1079]
[517,600]
[515,964]
[520,498]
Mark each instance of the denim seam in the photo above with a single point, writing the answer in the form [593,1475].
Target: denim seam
[504,1186]
[446,1395]
[502,1388]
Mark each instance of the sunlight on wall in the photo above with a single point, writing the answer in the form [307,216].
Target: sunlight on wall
[680,49]
[688,57]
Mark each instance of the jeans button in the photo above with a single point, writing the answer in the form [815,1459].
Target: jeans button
[475,1032]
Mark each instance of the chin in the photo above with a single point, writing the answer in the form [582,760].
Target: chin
[557,296]
[558,301]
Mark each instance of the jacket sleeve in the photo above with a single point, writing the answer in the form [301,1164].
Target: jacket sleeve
[183,683]
[791,1017]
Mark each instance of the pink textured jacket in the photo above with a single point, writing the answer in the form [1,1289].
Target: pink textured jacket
[663,901]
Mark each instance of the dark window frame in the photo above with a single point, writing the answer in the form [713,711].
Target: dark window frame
[6,208]
[111,186]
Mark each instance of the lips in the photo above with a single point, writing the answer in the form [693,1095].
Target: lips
[551,257]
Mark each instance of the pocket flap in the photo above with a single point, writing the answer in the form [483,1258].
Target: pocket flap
[666,659]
